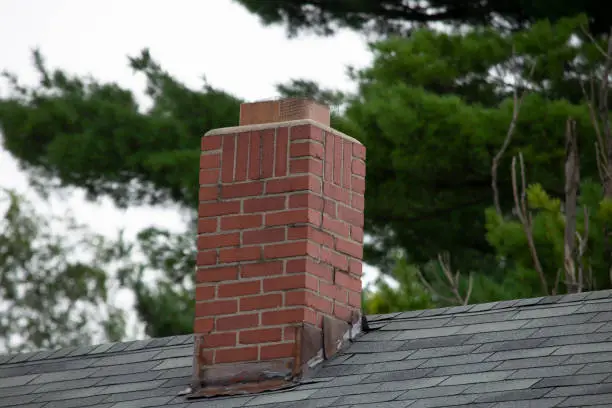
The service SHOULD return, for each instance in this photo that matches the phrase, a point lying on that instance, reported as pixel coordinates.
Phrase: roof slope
(544, 352)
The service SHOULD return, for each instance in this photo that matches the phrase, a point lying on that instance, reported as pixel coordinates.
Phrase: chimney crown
(280, 234)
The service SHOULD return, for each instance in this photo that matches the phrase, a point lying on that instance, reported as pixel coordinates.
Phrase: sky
(189, 38)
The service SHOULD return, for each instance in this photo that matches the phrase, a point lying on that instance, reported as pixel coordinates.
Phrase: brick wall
(280, 235)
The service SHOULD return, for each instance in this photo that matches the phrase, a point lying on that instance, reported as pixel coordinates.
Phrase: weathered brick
(211, 143)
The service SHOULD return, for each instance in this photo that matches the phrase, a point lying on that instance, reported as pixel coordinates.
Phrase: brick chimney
(280, 244)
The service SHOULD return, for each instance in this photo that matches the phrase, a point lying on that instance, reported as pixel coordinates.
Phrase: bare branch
(517, 103)
(520, 203)
(572, 182)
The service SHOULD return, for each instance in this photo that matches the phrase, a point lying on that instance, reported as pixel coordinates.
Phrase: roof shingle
(543, 352)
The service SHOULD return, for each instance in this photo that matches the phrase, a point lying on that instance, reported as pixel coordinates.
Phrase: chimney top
(283, 110)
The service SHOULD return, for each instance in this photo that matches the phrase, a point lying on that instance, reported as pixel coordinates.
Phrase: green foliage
(507, 236)
(407, 294)
(399, 16)
(50, 297)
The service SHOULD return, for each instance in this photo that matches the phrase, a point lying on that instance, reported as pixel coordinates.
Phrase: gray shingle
(545, 372)
(536, 403)
(538, 313)
(527, 353)
(371, 398)
(476, 377)
(572, 380)
(423, 333)
(378, 357)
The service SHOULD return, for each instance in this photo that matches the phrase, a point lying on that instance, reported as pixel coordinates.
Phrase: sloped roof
(543, 352)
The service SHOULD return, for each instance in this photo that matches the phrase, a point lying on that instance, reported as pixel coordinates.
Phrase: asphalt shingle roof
(537, 353)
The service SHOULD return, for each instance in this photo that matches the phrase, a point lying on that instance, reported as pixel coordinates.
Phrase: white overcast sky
(190, 38)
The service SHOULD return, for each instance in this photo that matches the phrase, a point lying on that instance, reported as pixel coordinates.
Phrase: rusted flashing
(312, 346)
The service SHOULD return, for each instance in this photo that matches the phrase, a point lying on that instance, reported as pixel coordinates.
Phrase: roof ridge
(96, 349)
(494, 306)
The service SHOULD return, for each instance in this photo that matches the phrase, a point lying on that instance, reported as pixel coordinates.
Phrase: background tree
(386, 17)
(53, 288)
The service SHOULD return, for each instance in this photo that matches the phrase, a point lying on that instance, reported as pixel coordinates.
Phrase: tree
(49, 296)
(432, 110)
(399, 16)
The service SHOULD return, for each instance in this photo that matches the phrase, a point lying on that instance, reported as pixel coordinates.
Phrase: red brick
(267, 168)
(215, 209)
(228, 290)
(234, 222)
(289, 333)
(321, 237)
(216, 307)
(354, 299)
(284, 283)
(210, 241)
(237, 322)
(269, 301)
(211, 143)
(204, 292)
(347, 148)
(357, 234)
(337, 160)
(334, 259)
(329, 157)
(359, 151)
(296, 183)
(282, 145)
(205, 258)
(286, 250)
(330, 208)
(306, 200)
(306, 132)
(256, 270)
(234, 355)
(306, 149)
(239, 254)
(357, 202)
(348, 281)
(337, 193)
(274, 351)
(358, 168)
(238, 190)
(210, 161)
(242, 156)
(355, 267)
(350, 215)
(297, 233)
(277, 317)
(299, 166)
(229, 151)
(254, 162)
(310, 299)
(214, 340)
(333, 291)
(209, 176)
(358, 184)
(308, 265)
(258, 336)
(203, 325)
(342, 312)
(350, 248)
(305, 215)
(217, 274)
(254, 205)
(208, 193)
(335, 226)
(207, 225)
(263, 236)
